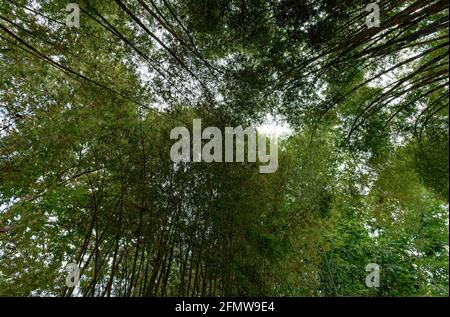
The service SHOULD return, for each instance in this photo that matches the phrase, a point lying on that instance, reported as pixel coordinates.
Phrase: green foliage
(86, 175)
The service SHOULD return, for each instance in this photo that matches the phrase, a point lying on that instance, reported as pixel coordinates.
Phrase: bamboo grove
(86, 176)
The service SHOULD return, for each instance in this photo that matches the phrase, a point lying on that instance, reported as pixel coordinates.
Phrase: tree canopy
(86, 176)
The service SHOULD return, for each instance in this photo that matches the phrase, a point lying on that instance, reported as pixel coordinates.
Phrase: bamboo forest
(346, 194)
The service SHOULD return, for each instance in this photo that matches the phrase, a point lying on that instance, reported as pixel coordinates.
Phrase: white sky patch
(275, 127)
